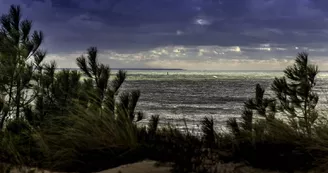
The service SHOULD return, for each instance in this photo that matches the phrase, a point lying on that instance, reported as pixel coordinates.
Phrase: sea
(183, 98)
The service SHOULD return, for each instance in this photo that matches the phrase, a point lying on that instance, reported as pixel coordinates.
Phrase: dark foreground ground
(149, 166)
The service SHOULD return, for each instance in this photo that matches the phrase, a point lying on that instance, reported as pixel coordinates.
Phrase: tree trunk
(18, 96)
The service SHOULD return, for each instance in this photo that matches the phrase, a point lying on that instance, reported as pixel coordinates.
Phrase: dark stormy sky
(190, 34)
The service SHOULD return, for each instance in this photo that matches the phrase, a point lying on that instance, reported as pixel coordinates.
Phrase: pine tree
(105, 89)
(19, 58)
(294, 98)
(295, 95)
(257, 108)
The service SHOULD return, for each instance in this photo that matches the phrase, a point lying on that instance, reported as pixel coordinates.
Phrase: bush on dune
(281, 127)
(283, 131)
(71, 116)
(97, 139)
(98, 126)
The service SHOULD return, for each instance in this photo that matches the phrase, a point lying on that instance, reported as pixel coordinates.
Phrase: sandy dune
(149, 167)
(140, 167)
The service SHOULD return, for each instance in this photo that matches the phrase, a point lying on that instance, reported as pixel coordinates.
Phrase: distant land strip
(127, 69)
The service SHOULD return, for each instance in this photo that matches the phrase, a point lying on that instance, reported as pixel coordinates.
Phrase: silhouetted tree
(106, 90)
(294, 98)
(257, 108)
(19, 58)
(295, 95)
(272, 127)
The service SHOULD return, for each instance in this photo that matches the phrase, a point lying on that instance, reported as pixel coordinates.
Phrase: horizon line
(172, 69)
(180, 69)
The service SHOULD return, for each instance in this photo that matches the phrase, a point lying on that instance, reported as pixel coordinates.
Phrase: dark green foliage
(80, 121)
(20, 144)
(247, 120)
(187, 152)
(233, 126)
(295, 94)
(261, 135)
(91, 122)
(153, 124)
(208, 132)
(105, 89)
(59, 104)
(19, 55)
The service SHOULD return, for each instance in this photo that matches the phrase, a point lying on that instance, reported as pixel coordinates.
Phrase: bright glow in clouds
(237, 49)
(197, 58)
(265, 48)
(202, 20)
(179, 32)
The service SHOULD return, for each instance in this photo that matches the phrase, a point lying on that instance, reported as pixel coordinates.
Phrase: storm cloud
(153, 33)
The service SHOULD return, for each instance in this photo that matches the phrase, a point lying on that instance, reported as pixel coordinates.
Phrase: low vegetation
(80, 121)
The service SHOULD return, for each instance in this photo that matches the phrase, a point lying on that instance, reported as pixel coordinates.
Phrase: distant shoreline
(135, 69)
(178, 69)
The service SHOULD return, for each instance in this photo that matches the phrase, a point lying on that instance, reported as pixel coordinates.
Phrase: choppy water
(194, 94)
